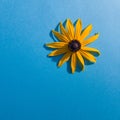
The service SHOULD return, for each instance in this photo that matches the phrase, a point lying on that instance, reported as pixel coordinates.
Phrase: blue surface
(32, 87)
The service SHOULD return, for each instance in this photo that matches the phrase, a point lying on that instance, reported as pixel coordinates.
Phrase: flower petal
(73, 62)
(60, 36)
(58, 52)
(63, 31)
(86, 32)
(70, 29)
(91, 50)
(78, 29)
(91, 39)
(64, 59)
(80, 58)
(88, 56)
(56, 44)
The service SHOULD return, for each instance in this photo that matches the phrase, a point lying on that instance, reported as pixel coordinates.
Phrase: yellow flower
(73, 44)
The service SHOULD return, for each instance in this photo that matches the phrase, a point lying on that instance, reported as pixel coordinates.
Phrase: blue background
(32, 87)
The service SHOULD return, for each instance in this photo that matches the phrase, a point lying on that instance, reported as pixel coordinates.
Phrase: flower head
(73, 44)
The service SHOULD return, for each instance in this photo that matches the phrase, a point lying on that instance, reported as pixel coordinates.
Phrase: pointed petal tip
(47, 45)
(94, 61)
(90, 25)
(48, 55)
(51, 54)
(73, 72)
(60, 23)
(53, 31)
(68, 19)
(58, 65)
(99, 52)
(97, 34)
(79, 19)
(83, 68)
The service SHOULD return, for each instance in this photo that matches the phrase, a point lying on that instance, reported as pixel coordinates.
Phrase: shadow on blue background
(32, 87)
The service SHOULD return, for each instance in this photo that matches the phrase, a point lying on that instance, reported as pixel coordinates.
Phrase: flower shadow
(78, 67)
(51, 34)
(53, 58)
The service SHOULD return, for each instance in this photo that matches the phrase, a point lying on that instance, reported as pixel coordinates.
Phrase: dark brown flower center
(74, 45)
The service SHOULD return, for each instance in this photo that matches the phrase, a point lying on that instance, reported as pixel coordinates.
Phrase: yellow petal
(86, 32)
(60, 36)
(73, 62)
(63, 31)
(91, 39)
(70, 29)
(91, 50)
(56, 44)
(58, 52)
(80, 58)
(64, 59)
(88, 56)
(78, 29)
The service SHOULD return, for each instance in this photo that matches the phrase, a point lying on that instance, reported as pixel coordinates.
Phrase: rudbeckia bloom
(73, 44)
